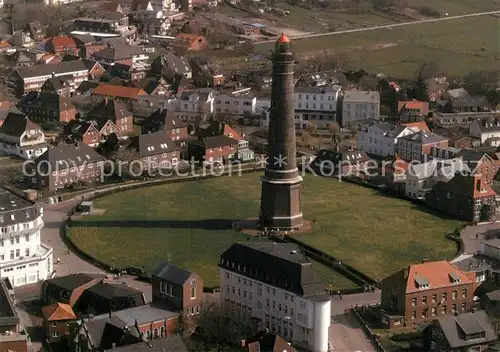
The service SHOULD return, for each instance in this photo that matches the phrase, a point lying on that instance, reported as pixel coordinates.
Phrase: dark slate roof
(85, 86)
(172, 273)
(352, 156)
(16, 124)
(8, 314)
(105, 331)
(455, 327)
(46, 100)
(57, 82)
(112, 290)
(144, 314)
(84, 38)
(68, 155)
(215, 141)
(109, 109)
(468, 101)
(118, 52)
(178, 64)
(471, 156)
(45, 70)
(489, 125)
(283, 265)
(425, 137)
(325, 77)
(73, 281)
(168, 119)
(15, 209)
(155, 143)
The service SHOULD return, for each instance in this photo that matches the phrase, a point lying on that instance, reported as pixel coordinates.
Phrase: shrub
(429, 11)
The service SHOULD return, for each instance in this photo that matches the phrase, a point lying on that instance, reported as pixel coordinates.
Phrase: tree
(334, 129)
(220, 327)
(419, 89)
(429, 69)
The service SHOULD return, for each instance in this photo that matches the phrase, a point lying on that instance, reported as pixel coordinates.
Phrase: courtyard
(189, 224)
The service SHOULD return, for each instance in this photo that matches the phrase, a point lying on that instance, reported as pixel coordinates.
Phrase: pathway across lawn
(190, 224)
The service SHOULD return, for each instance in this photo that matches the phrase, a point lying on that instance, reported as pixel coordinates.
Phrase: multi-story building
(58, 85)
(62, 45)
(479, 163)
(486, 130)
(317, 105)
(32, 78)
(358, 105)
(422, 177)
(193, 106)
(157, 151)
(56, 321)
(21, 137)
(65, 165)
(177, 289)
(423, 292)
(211, 150)
(413, 110)
(415, 145)
(167, 121)
(106, 26)
(45, 107)
(381, 138)
(466, 196)
(23, 258)
(472, 332)
(276, 284)
(127, 55)
(13, 336)
(239, 103)
(115, 111)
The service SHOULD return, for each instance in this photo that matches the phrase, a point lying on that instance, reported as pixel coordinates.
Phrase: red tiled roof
(436, 274)
(118, 91)
(422, 126)
(189, 38)
(283, 38)
(62, 40)
(58, 311)
(4, 44)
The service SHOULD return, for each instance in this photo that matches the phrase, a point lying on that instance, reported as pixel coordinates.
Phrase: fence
(369, 332)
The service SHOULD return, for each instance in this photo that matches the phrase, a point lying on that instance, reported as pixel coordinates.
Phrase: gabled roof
(118, 52)
(63, 67)
(62, 40)
(435, 274)
(215, 141)
(155, 143)
(420, 126)
(218, 128)
(324, 77)
(110, 290)
(172, 273)
(118, 91)
(477, 325)
(424, 137)
(68, 155)
(58, 311)
(79, 128)
(46, 100)
(266, 341)
(109, 109)
(16, 124)
(73, 281)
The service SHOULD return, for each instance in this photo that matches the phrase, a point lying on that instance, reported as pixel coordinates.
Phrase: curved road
(387, 26)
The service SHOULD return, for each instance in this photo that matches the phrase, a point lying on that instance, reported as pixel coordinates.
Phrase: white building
(381, 138)
(421, 177)
(239, 102)
(358, 105)
(191, 106)
(23, 258)
(276, 284)
(21, 137)
(316, 104)
(488, 131)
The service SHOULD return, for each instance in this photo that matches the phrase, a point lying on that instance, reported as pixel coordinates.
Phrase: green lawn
(457, 46)
(371, 232)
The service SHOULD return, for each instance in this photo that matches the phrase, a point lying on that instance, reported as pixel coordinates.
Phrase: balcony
(44, 253)
(23, 231)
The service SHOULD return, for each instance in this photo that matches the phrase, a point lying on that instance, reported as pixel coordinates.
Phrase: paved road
(386, 26)
(472, 236)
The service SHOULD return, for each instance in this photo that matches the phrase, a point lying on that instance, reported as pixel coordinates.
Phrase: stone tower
(280, 197)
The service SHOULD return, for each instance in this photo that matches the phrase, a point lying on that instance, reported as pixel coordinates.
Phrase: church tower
(280, 197)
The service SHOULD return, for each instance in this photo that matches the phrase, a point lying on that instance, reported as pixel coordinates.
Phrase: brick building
(56, 320)
(115, 111)
(168, 121)
(82, 131)
(62, 44)
(45, 107)
(216, 149)
(467, 197)
(414, 146)
(423, 292)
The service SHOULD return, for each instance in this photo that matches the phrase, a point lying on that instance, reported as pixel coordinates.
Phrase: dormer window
(454, 278)
(421, 282)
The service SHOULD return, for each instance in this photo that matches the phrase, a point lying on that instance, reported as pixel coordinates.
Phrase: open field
(189, 224)
(398, 52)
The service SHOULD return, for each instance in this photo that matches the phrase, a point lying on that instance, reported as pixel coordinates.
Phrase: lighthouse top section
(282, 44)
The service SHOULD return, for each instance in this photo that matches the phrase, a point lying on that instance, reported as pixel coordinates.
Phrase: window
(454, 295)
(414, 301)
(54, 324)
(18, 253)
(55, 334)
(444, 296)
(413, 315)
(27, 252)
(193, 292)
(464, 307)
(17, 240)
(27, 238)
(464, 293)
(433, 311)
(424, 300)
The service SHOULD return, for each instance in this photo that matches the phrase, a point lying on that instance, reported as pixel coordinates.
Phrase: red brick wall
(61, 328)
(17, 346)
(92, 48)
(217, 153)
(183, 134)
(426, 148)
(91, 137)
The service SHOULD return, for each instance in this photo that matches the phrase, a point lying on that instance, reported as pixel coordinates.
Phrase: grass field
(457, 46)
(371, 232)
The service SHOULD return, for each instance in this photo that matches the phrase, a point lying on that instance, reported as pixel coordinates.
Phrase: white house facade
(241, 105)
(488, 131)
(300, 315)
(381, 138)
(21, 137)
(23, 258)
(317, 105)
